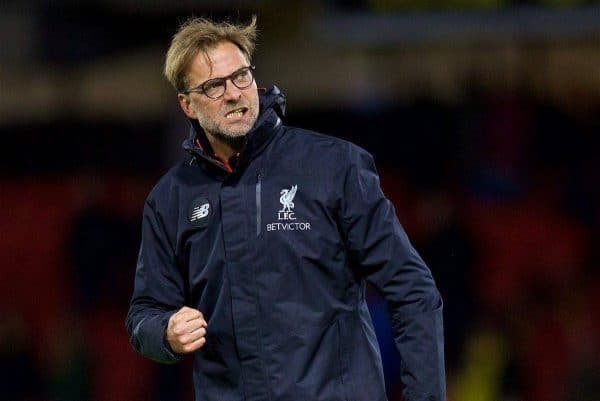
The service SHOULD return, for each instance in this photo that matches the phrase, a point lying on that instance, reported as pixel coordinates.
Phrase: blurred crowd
(499, 194)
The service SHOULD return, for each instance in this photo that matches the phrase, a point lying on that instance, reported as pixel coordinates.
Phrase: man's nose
(232, 92)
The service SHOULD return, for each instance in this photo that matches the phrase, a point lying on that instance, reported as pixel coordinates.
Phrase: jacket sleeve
(380, 249)
(158, 292)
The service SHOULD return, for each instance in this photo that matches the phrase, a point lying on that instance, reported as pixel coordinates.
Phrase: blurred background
(484, 120)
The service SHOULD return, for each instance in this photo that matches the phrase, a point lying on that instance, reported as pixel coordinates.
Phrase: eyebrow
(228, 75)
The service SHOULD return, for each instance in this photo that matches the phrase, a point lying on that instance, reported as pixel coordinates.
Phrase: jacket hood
(271, 110)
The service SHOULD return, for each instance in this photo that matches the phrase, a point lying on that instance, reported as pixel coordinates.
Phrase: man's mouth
(236, 113)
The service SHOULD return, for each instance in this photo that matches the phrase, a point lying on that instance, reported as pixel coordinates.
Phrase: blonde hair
(199, 34)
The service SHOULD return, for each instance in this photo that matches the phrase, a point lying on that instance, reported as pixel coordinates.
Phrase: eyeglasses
(215, 88)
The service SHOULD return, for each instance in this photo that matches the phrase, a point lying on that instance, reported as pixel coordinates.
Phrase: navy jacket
(276, 255)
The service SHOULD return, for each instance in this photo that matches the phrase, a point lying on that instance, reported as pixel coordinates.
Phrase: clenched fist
(186, 330)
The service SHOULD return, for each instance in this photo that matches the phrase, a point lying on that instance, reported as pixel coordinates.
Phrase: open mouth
(236, 113)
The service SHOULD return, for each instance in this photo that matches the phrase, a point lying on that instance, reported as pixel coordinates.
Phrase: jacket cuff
(156, 346)
(422, 353)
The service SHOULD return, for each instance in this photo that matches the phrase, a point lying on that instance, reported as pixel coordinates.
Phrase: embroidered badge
(286, 216)
(287, 203)
(200, 211)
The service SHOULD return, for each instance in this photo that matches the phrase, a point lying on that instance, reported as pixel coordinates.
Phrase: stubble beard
(234, 138)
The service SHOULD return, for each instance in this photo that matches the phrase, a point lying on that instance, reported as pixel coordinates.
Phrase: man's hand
(186, 330)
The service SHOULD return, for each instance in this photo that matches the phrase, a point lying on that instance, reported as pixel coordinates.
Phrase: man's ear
(184, 102)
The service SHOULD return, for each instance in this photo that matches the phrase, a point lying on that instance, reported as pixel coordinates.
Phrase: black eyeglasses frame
(223, 80)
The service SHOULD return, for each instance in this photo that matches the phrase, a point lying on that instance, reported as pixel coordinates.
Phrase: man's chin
(234, 140)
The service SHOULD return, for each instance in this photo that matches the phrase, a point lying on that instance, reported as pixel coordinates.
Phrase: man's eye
(211, 85)
(242, 76)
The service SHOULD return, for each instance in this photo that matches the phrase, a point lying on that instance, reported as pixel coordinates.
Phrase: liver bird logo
(287, 198)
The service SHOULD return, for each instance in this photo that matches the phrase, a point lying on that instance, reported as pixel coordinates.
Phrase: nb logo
(200, 212)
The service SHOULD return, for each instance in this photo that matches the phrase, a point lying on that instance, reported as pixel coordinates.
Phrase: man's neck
(222, 149)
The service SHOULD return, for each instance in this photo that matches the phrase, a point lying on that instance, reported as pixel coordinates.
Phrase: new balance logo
(200, 212)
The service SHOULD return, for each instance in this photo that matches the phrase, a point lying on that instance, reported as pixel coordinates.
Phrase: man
(256, 251)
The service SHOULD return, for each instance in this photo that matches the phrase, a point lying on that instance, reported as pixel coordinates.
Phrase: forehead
(218, 61)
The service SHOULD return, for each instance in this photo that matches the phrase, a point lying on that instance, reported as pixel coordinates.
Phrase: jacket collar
(272, 109)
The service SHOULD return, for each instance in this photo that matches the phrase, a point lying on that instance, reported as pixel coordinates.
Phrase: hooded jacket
(276, 255)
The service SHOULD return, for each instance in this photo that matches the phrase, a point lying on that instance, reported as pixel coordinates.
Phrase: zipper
(258, 205)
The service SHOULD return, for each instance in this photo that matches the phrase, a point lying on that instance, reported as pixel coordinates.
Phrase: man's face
(232, 115)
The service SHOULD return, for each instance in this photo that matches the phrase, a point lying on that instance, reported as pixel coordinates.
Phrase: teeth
(234, 114)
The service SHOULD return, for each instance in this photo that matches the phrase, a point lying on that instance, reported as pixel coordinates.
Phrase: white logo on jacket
(287, 215)
(200, 212)
(287, 203)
